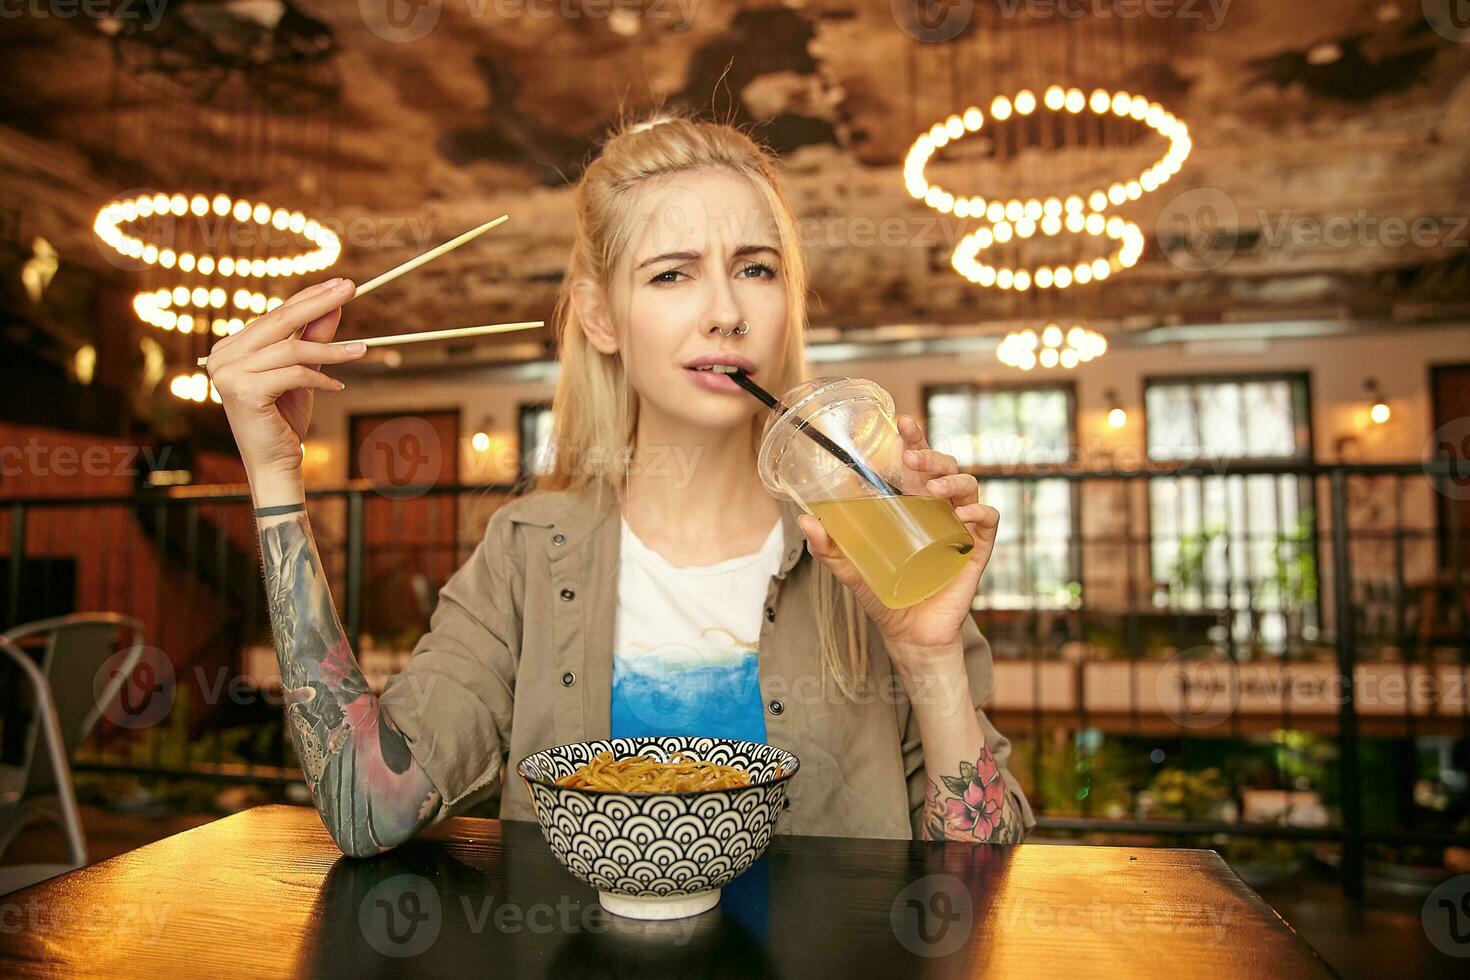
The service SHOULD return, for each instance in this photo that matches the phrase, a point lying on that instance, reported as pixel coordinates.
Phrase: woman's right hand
(267, 377)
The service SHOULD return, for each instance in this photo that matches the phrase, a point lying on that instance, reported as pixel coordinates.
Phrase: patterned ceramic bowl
(659, 855)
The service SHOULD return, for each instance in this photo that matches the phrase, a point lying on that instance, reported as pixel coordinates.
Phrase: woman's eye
(665, 276)
(762, 270)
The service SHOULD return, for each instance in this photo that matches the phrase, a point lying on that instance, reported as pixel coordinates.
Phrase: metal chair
(76, 647)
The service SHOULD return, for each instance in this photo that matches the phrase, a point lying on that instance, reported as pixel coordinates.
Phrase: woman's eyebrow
(687, 256)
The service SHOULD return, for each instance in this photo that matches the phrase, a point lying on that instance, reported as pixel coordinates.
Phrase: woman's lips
(712, 380)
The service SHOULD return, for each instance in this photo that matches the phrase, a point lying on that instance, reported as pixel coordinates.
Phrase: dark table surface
(266, 893)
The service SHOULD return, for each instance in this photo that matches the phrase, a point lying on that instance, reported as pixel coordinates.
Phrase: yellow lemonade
(906, 548)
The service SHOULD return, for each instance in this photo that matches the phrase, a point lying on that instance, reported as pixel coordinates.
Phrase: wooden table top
(266, 893)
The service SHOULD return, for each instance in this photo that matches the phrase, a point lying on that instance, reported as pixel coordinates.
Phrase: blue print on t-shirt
(675, 690)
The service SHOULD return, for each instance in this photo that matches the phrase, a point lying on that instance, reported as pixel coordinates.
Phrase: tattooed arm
(955, 759)
(371, 793)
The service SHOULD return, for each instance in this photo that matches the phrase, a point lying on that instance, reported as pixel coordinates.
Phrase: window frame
(1306, 458)
(526, 413)
(1068, 387)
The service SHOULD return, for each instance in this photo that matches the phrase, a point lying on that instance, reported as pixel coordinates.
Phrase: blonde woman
(650, 585)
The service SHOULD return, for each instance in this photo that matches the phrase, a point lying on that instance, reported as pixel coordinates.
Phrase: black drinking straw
(743, 380)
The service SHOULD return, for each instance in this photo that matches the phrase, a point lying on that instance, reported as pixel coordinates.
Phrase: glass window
(535, 433)
(1007, 430)
(1236, 542)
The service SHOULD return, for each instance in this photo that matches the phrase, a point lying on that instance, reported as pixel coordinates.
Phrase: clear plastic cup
(907, 546)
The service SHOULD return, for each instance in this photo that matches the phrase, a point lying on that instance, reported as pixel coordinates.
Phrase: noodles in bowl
(682, 773)
(658, 825)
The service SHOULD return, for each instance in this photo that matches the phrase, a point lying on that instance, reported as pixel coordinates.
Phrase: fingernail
(342, 285)
(339, 384)
(357, 347)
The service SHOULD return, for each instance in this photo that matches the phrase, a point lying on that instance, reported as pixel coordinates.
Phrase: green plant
(1293, 579)
(1177, 794)
(1083, 773)
(1188, 571)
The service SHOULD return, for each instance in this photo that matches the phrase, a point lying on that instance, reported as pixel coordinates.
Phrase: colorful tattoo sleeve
(371, 793)
(972, 805)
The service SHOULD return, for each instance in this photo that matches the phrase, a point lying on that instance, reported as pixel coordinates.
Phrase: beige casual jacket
(519, 657)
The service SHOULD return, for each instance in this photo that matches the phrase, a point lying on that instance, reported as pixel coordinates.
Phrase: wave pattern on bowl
(658, 844)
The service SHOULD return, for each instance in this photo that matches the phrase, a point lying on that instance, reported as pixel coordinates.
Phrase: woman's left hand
(932, 626)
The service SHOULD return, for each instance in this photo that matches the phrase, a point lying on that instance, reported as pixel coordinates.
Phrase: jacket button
(568, 679)
(558, 538)
(776, 706)
(568, 594)
(770, 614)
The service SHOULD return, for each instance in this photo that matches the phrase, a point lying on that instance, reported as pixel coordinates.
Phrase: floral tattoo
(973, 805)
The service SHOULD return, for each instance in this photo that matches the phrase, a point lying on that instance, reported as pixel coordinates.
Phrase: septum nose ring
(739, 331)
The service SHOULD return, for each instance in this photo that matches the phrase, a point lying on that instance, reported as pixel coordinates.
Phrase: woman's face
(704, 257)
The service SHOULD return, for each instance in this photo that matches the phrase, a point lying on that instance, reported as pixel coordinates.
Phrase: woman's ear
(590, 302)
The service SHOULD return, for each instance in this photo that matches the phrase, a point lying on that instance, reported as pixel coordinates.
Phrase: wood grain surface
(266, 893)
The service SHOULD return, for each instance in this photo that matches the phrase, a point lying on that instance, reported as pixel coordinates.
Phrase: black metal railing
(1289, 665)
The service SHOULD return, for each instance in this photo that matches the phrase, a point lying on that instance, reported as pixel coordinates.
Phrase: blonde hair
(595, 409)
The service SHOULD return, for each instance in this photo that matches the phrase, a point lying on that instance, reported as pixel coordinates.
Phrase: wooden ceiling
(1316, 128)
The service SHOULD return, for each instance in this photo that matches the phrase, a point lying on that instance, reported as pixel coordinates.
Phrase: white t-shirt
(687, 641)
